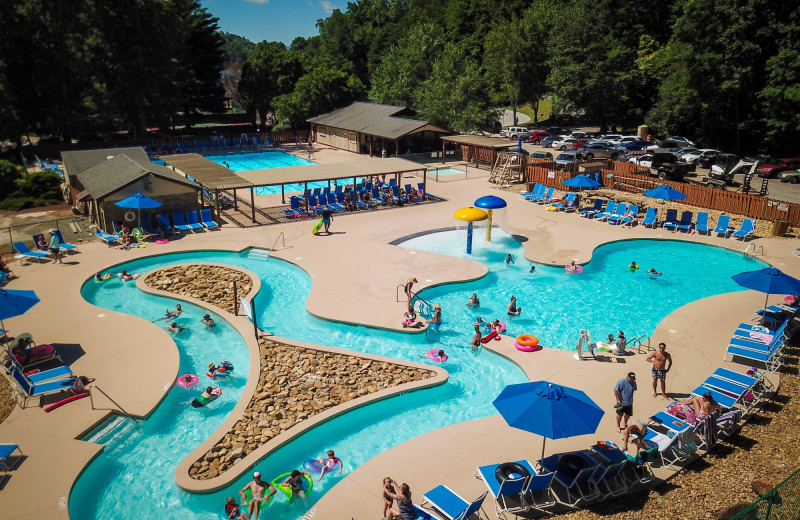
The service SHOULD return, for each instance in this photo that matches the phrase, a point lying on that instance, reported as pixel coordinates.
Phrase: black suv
(666, 166)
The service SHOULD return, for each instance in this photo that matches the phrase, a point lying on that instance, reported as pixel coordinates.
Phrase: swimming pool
(114, 485)
(444, 172)
(240, 162)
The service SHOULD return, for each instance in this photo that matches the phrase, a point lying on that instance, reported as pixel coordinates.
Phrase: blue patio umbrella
(549, 410)
(15, 303)
(138, 202)
(581, 181)
(664, 192)
(768, 280)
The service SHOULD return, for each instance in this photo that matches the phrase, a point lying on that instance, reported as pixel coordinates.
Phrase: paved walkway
(361, 270)
(507, 118)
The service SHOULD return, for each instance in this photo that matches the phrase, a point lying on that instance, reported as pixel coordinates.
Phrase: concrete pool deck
(355, 274)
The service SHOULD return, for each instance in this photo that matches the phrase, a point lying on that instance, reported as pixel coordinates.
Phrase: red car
(580, 144)
(776, 167)
(537, 136)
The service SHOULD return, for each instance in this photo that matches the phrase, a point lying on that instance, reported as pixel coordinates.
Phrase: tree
(321, 90)
(10, 174)
(237, 48)
(508, 70)
(270, 71)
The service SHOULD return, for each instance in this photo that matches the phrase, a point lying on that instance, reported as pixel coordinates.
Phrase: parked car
(645, 160)
(564, 143)
(547, 156)
(629, 139)
(781, 165)
(727, 165)
(566, 159)
(611, 137)
(639, 144)
(687, 142)
(558, 130)
(707, 160)
(537, 136)
(669, 143)
(692, 157)
(600, 150)
(666, 166)
(513, 132)
(547, 142)
(792, 176)
(578, 135)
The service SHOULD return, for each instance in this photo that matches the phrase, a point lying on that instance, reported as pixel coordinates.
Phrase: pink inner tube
(788, 299)
(526, 348)
(162, 241)
(183, 383)
(41, 350)
(578, 269)
(433, 355)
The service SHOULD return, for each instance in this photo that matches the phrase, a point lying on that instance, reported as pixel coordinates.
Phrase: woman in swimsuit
(513, 310)
(703, 406)
(295, 481)
(474, 302)
(405, 508)
(409, 284)
(640, 429)
(476, 339)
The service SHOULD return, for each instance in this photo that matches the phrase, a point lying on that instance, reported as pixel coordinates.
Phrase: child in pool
(207, 321)
(509, 259)
(175, 328)
(329, 464)
(533, 269)
(295, 482)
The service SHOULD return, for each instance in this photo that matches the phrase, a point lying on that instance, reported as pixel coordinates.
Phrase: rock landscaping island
(295, 383)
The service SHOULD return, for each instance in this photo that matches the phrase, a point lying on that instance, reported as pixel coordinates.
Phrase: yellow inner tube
(632, 267)
(527, 340)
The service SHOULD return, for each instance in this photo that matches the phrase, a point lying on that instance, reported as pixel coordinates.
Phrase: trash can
(779, 228)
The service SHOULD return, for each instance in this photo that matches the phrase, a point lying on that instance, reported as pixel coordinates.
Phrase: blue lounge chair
(6, 450)
(772, 359)
(543, 196)
(569, 203)
(377, 196)
(164, 225)
(723, 225)
(537, 189)
(597, 208)
(723, 399)
(508, 494)
(40, 243)
(758, 385)
(671, 220)
(578, 485)
(27, 389)
(26, 253)
(206, 220)
(746, 230)
(650, 218)
(422, 193)
(733, 390)
(180, 222)
(610, 207)
(64, 245)
(54, 373)
(316, 192)
(609, 478)
(630, 216)
(538, 494)
(618, 214)
(192, 222)
(701, 226)
(314, 204)
(450, 504)
(685, 223)
(106, 237)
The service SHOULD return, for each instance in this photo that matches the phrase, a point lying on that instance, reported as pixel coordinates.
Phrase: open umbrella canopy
(581, 181)
(16, 303)
(768, 280)
(549, 410)
(138, 201)
(664, 192)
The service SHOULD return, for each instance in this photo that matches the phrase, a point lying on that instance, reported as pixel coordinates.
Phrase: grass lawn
(527, 109)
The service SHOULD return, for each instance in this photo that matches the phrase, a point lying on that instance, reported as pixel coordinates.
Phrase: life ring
(314, 465)
(527, 340)
(192, 380)
(41, 350)
(130, 216)
(509, 471)
(162, 241)
(433, 355)
(277, 482)
(633, 267)
(578, 269)
(526, 348)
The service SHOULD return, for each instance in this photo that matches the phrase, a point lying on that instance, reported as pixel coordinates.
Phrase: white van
(513, 132)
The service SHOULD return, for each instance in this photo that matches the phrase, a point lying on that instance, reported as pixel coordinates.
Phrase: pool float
(248, 496)
(788, 299)
(204, 401)
(224, 370)
(315, 466)
(65, 401)
(242, 511)
(493, 335)
(40, 350)
(632, 267)
(162, 241)
(527, 343)
(683, 412)
(95, 280)
(193, 380)
(578, 269)
(433, 355)
(277, 482)
(316, 227)
(510, 471)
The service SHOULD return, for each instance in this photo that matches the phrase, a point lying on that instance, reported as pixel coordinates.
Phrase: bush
(10, 174)
(17, 203)
(40, 185)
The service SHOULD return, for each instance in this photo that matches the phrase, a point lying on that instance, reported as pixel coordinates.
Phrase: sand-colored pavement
(355, 273)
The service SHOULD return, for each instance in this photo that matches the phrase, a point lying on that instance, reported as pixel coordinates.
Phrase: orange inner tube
(527, 340)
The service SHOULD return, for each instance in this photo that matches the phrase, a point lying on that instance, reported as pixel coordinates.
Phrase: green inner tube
(248, 496)
(278, 483)
(95, 280)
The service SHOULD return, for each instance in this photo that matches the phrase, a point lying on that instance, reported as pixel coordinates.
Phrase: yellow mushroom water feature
(470, 216)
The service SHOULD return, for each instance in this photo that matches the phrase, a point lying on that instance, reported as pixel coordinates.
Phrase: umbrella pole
(763, 316)
(544, 440)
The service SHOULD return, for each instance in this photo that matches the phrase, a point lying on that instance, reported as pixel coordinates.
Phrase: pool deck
(355, 275)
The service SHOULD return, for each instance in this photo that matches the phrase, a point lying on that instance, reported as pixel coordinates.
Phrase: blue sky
(271, 20)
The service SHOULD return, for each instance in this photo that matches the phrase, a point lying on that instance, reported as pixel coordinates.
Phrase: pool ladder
(425, 307)
(755, 251)
(638, 343)
(280, 237)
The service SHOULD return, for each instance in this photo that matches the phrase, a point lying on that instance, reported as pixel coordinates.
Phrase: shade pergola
(217, 177)
(476, 142)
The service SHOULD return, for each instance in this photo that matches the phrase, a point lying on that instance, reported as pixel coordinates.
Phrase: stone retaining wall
(209, 283)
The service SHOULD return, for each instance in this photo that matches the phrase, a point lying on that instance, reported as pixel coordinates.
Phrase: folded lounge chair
(26, 253)
(450, 504)
(702, 222)
(747, 229)
(206, 220)
(723, 225)
(650, 217)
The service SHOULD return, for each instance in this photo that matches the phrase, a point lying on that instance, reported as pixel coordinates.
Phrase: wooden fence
(631, 178)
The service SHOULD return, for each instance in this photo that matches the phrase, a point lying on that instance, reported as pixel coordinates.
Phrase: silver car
(565, 159)
(601, 150)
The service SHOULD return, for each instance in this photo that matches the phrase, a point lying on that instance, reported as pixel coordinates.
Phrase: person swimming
(533, 269)
(103, 277)
(652, 271)
(474, 302)
(509, 259)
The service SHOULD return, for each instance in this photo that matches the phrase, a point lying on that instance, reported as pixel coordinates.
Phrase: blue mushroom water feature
(490, 203)
(470, 216)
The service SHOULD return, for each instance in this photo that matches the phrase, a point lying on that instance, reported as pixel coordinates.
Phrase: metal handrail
(281, 235)
(121, 409)
(422, 310)
(756, 249)
(640, 342)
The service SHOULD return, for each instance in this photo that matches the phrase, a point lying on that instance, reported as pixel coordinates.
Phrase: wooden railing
(631, 178)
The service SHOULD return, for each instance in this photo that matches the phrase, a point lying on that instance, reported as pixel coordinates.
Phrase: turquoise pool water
(137, 466)
(240, 162)
(446, 171)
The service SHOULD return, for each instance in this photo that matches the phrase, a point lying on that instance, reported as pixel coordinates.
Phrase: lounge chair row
(319, 199)
(204, 145)
(41, 252)
(30, 383)
(180, 222)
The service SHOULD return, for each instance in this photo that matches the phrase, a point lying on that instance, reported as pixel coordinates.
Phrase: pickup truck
(665, 165)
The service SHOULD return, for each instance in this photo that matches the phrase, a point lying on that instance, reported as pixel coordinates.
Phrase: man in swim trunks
(257, 487)
(623, 392)
(329, 464)
(327, 217)
(638, 427)
(513, 310)
(662, 362)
